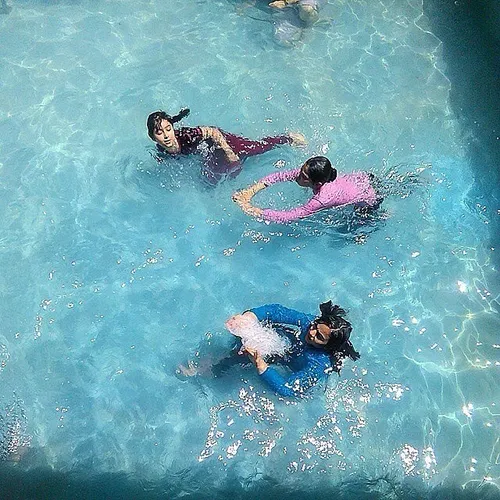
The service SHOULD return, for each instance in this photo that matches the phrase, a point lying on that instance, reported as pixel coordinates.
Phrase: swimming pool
(116, 269)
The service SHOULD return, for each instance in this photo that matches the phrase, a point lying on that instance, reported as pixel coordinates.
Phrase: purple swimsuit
(216, 166)
(348, 189)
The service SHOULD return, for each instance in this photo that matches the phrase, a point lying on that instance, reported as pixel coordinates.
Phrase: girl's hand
(243, 196)
(298, 139)
(248, 208)
(255, 358)
(231, 155)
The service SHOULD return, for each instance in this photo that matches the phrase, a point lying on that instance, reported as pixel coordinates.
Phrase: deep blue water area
(471, 41)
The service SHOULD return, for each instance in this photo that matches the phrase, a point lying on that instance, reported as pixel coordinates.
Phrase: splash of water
(264, 339)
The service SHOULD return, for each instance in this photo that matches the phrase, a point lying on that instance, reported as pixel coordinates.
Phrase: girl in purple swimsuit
(222, 153)
(329, 190)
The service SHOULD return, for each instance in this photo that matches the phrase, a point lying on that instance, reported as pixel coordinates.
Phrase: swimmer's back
(354, 188)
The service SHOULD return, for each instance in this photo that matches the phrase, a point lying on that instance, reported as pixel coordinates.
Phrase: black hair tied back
(328, 309)
(180, 115)
(339, 346)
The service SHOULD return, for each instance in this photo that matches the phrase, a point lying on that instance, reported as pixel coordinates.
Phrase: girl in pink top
(329, 190)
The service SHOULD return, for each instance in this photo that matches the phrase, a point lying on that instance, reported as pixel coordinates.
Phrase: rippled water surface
(116, 269)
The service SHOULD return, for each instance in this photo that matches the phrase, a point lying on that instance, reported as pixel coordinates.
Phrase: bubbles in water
(4, 356)
(14, 438)
(399, 181)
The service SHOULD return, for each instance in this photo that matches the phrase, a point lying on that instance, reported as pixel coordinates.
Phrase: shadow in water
(45, 483)
(471, 48)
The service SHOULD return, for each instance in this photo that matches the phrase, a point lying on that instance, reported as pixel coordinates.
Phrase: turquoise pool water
(116, 269)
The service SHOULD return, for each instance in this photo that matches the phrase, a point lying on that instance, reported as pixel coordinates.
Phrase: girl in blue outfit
(322, 344)
(319, 345)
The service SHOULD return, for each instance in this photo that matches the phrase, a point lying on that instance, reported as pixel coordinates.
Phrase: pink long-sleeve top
(354, 188)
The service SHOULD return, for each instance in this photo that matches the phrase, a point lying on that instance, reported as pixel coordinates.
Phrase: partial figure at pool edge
(222, 153)
(292, 17)
(318, 349)
(329, 190)
(307, 10)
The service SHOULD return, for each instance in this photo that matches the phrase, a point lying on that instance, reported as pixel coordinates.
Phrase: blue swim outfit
(308, 364)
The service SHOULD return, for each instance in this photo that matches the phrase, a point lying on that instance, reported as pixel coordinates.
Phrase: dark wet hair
(339, 346)
(154, 120)
(320, 170)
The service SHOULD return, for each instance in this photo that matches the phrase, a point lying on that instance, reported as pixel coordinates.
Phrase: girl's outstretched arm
(312, 206)
(244, 196)
(276, 313)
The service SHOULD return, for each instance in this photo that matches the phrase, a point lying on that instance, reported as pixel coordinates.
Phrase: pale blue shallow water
(115, 269)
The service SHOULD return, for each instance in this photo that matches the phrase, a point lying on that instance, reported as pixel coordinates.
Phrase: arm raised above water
(281, 176)
(216, 135)
(276, 313)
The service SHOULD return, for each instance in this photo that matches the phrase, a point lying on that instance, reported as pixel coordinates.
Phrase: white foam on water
(264, 339)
